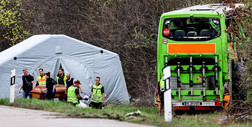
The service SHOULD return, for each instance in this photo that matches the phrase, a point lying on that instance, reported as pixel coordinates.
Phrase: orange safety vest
(41, 81)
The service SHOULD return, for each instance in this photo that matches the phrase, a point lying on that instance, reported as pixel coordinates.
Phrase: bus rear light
(202, 108)
(181, 108)
(217, 103)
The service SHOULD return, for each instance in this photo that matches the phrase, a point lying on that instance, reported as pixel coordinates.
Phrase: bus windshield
(191, 28)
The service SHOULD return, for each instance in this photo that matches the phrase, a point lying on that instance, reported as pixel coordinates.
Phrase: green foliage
(11, 22)
(103, 2)
(240, 31)
(247, 26)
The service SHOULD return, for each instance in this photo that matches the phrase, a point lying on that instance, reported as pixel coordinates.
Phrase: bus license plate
(195, 103)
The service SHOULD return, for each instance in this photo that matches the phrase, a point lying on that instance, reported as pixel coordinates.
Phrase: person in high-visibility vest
(161, 90)
(61, 77)
(41, 79)
(161, 95)
(73, 94)
(98, 96)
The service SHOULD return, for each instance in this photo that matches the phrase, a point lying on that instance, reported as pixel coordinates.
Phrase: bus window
(191, 29)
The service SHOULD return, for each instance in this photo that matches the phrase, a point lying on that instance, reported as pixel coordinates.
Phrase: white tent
(82, 60)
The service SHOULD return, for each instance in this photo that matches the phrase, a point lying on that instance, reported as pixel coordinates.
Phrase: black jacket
(49, 85)
(28, 78)
(69, 82)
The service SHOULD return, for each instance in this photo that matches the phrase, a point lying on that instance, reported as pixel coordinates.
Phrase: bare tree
(127, 27)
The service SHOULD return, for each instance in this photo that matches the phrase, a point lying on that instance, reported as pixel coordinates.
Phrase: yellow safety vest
(41, 81)
(71, 95)
(97, 94)
(57, 78)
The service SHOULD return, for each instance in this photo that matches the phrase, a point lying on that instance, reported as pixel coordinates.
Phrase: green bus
(193, 42)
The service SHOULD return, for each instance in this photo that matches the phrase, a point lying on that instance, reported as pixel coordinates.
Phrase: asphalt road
(19, 117)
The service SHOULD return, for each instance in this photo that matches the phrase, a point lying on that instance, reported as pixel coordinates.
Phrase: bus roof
(207, 8)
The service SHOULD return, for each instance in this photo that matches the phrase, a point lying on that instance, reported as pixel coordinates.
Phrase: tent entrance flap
(79, 71)
(76, 69)
(51, 65)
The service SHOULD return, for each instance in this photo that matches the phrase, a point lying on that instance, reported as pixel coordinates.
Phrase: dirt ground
(19, 117)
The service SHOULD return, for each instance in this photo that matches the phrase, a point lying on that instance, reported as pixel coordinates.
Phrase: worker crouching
(73, 94)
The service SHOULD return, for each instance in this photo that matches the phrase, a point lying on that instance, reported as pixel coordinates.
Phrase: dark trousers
(26, 94)
(50, 96)
(74, 104)
(161, 97)
(96, 105)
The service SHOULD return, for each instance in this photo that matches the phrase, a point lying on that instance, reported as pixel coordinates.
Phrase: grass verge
(149, 115)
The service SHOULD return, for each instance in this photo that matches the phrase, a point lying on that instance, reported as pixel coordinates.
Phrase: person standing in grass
(27, 84)
(41, 79)
(69, 80)
(161, 90)
(49, 85)
(61, 77)
(98, 96)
